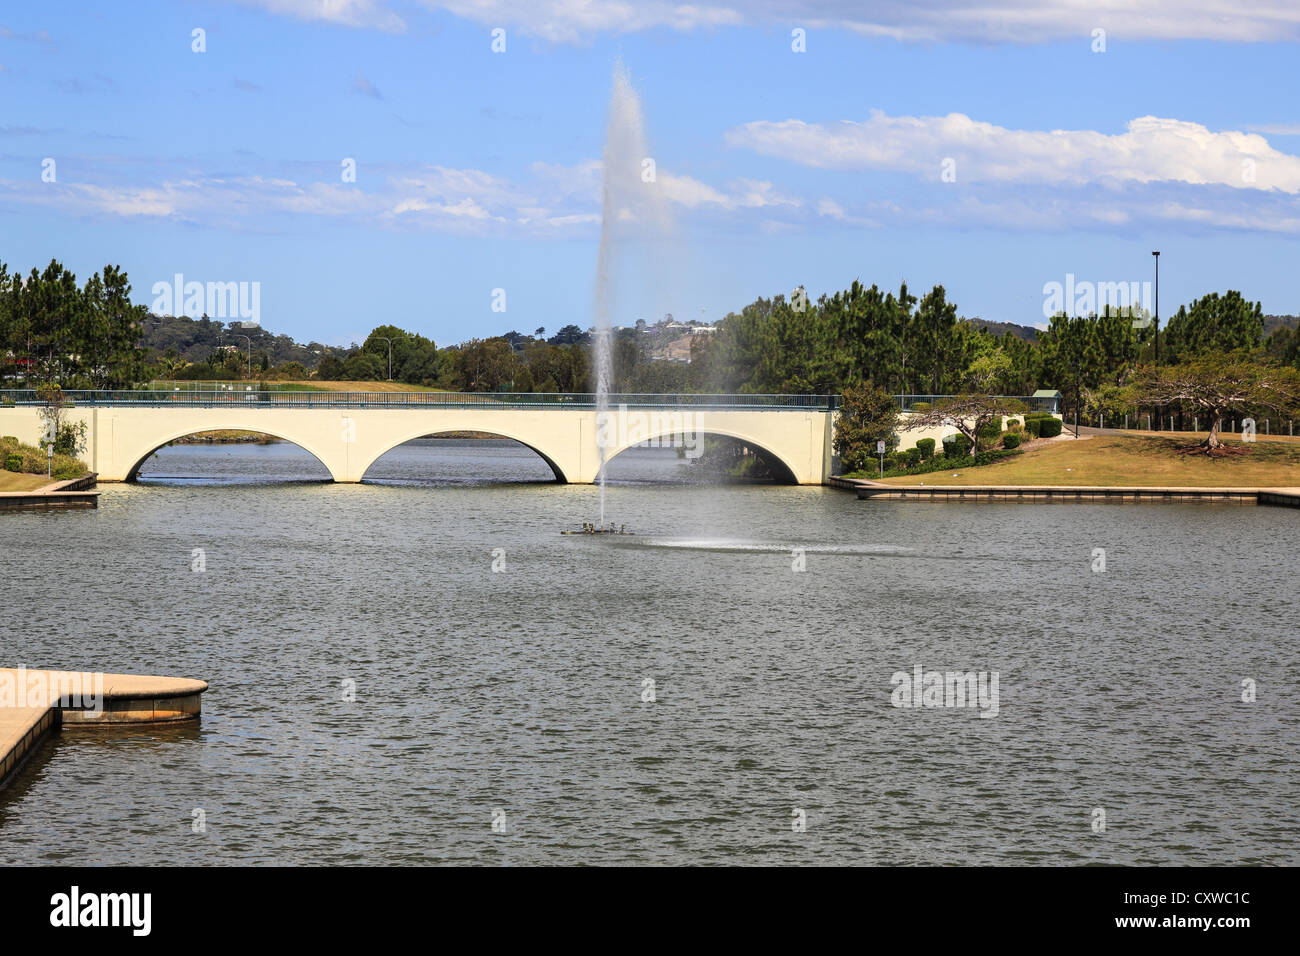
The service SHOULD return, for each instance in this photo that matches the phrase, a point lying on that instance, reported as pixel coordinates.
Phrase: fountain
(630, 198)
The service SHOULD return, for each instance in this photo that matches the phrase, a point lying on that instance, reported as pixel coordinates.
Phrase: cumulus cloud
(1150, 150)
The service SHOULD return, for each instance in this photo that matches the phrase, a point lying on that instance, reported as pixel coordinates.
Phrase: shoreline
(1030, 494)
(68, 494)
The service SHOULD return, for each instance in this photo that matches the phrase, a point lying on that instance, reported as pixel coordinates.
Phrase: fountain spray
(630, 199)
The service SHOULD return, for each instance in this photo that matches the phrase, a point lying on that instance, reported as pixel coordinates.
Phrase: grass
(20, 481)
(297, 386)
(1129, 461)
(319, 386)
(226, 436)
(34, 462)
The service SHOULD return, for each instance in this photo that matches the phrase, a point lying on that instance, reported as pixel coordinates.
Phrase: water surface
(520, 691)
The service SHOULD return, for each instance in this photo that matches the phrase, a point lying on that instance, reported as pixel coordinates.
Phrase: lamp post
(390, 354)
(1156, 254)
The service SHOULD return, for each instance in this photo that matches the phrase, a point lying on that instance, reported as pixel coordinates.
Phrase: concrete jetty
(864, 488)
(73, 493)
(35, 703)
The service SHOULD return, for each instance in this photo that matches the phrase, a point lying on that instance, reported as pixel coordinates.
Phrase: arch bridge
(349, 431)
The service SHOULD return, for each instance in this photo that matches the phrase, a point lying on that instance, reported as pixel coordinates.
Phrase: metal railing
(504, 400)
(1035, 403)
(326, 399)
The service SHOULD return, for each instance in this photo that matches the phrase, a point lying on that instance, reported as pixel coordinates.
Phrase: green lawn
(1130, 461)
(21, 481)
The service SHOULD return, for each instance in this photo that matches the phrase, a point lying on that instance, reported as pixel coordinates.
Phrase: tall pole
(390, 355)
(1156, 253)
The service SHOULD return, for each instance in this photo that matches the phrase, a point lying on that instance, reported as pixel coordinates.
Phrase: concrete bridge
(349, 431)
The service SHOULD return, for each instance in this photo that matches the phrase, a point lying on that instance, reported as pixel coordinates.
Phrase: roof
(1047, 393)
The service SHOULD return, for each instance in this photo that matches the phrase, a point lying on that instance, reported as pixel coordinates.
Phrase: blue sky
(479, 170)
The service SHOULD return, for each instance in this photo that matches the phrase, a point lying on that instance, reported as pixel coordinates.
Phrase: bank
(71, 494)
(1107, 467)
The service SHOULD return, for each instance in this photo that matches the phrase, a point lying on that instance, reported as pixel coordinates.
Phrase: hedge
(1010, 440)
(926, 447)
(956, 446)
(939, 464)
(1049, 427)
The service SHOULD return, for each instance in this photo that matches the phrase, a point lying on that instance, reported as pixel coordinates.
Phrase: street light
(390, 354)
(1156, 253)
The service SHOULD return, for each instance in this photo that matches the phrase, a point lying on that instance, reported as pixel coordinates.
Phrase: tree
(569, 335)
(989, 372)
(967, 413)
(1215, 323)
(867, 415)
(1073, 359)
(1218, 384)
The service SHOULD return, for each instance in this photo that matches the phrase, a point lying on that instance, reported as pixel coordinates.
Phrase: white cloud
(556, 200)
(1151, 150)
(1277, 129)
(573, 21)
(978, 21)
(369, 14)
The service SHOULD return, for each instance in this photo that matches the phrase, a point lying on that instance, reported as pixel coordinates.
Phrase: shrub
(926, 447)
(1010, 440)
(1034, 427)
(956, 446)
(920, 406)
(867, 415)
(13, 462)
(1012, 424)
(992, 430)
(913, 456)
(1049, 427)
(939, 464)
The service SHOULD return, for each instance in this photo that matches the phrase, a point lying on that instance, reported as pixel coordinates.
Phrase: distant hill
(195, 339)
(1273, 322)
(998, 329)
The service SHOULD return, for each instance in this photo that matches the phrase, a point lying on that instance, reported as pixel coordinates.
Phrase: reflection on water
(522, 689)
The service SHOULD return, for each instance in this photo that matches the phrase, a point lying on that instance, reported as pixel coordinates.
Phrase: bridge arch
(786, 474)
(389, 444)
(155, 443)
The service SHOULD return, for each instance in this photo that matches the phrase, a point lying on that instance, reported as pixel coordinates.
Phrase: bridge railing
(1035, 403)
(326, 399)
(504, 400)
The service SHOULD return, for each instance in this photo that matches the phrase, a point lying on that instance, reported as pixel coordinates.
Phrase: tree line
(92, 336)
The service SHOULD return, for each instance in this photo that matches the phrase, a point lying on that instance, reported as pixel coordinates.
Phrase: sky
(990, 146)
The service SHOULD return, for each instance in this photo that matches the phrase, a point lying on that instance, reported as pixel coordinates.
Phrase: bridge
(349, 431)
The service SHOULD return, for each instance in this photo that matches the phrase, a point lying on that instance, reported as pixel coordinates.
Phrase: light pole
(390, 354)
(1156, 253)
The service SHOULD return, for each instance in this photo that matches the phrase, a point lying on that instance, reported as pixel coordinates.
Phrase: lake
(381, 695)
